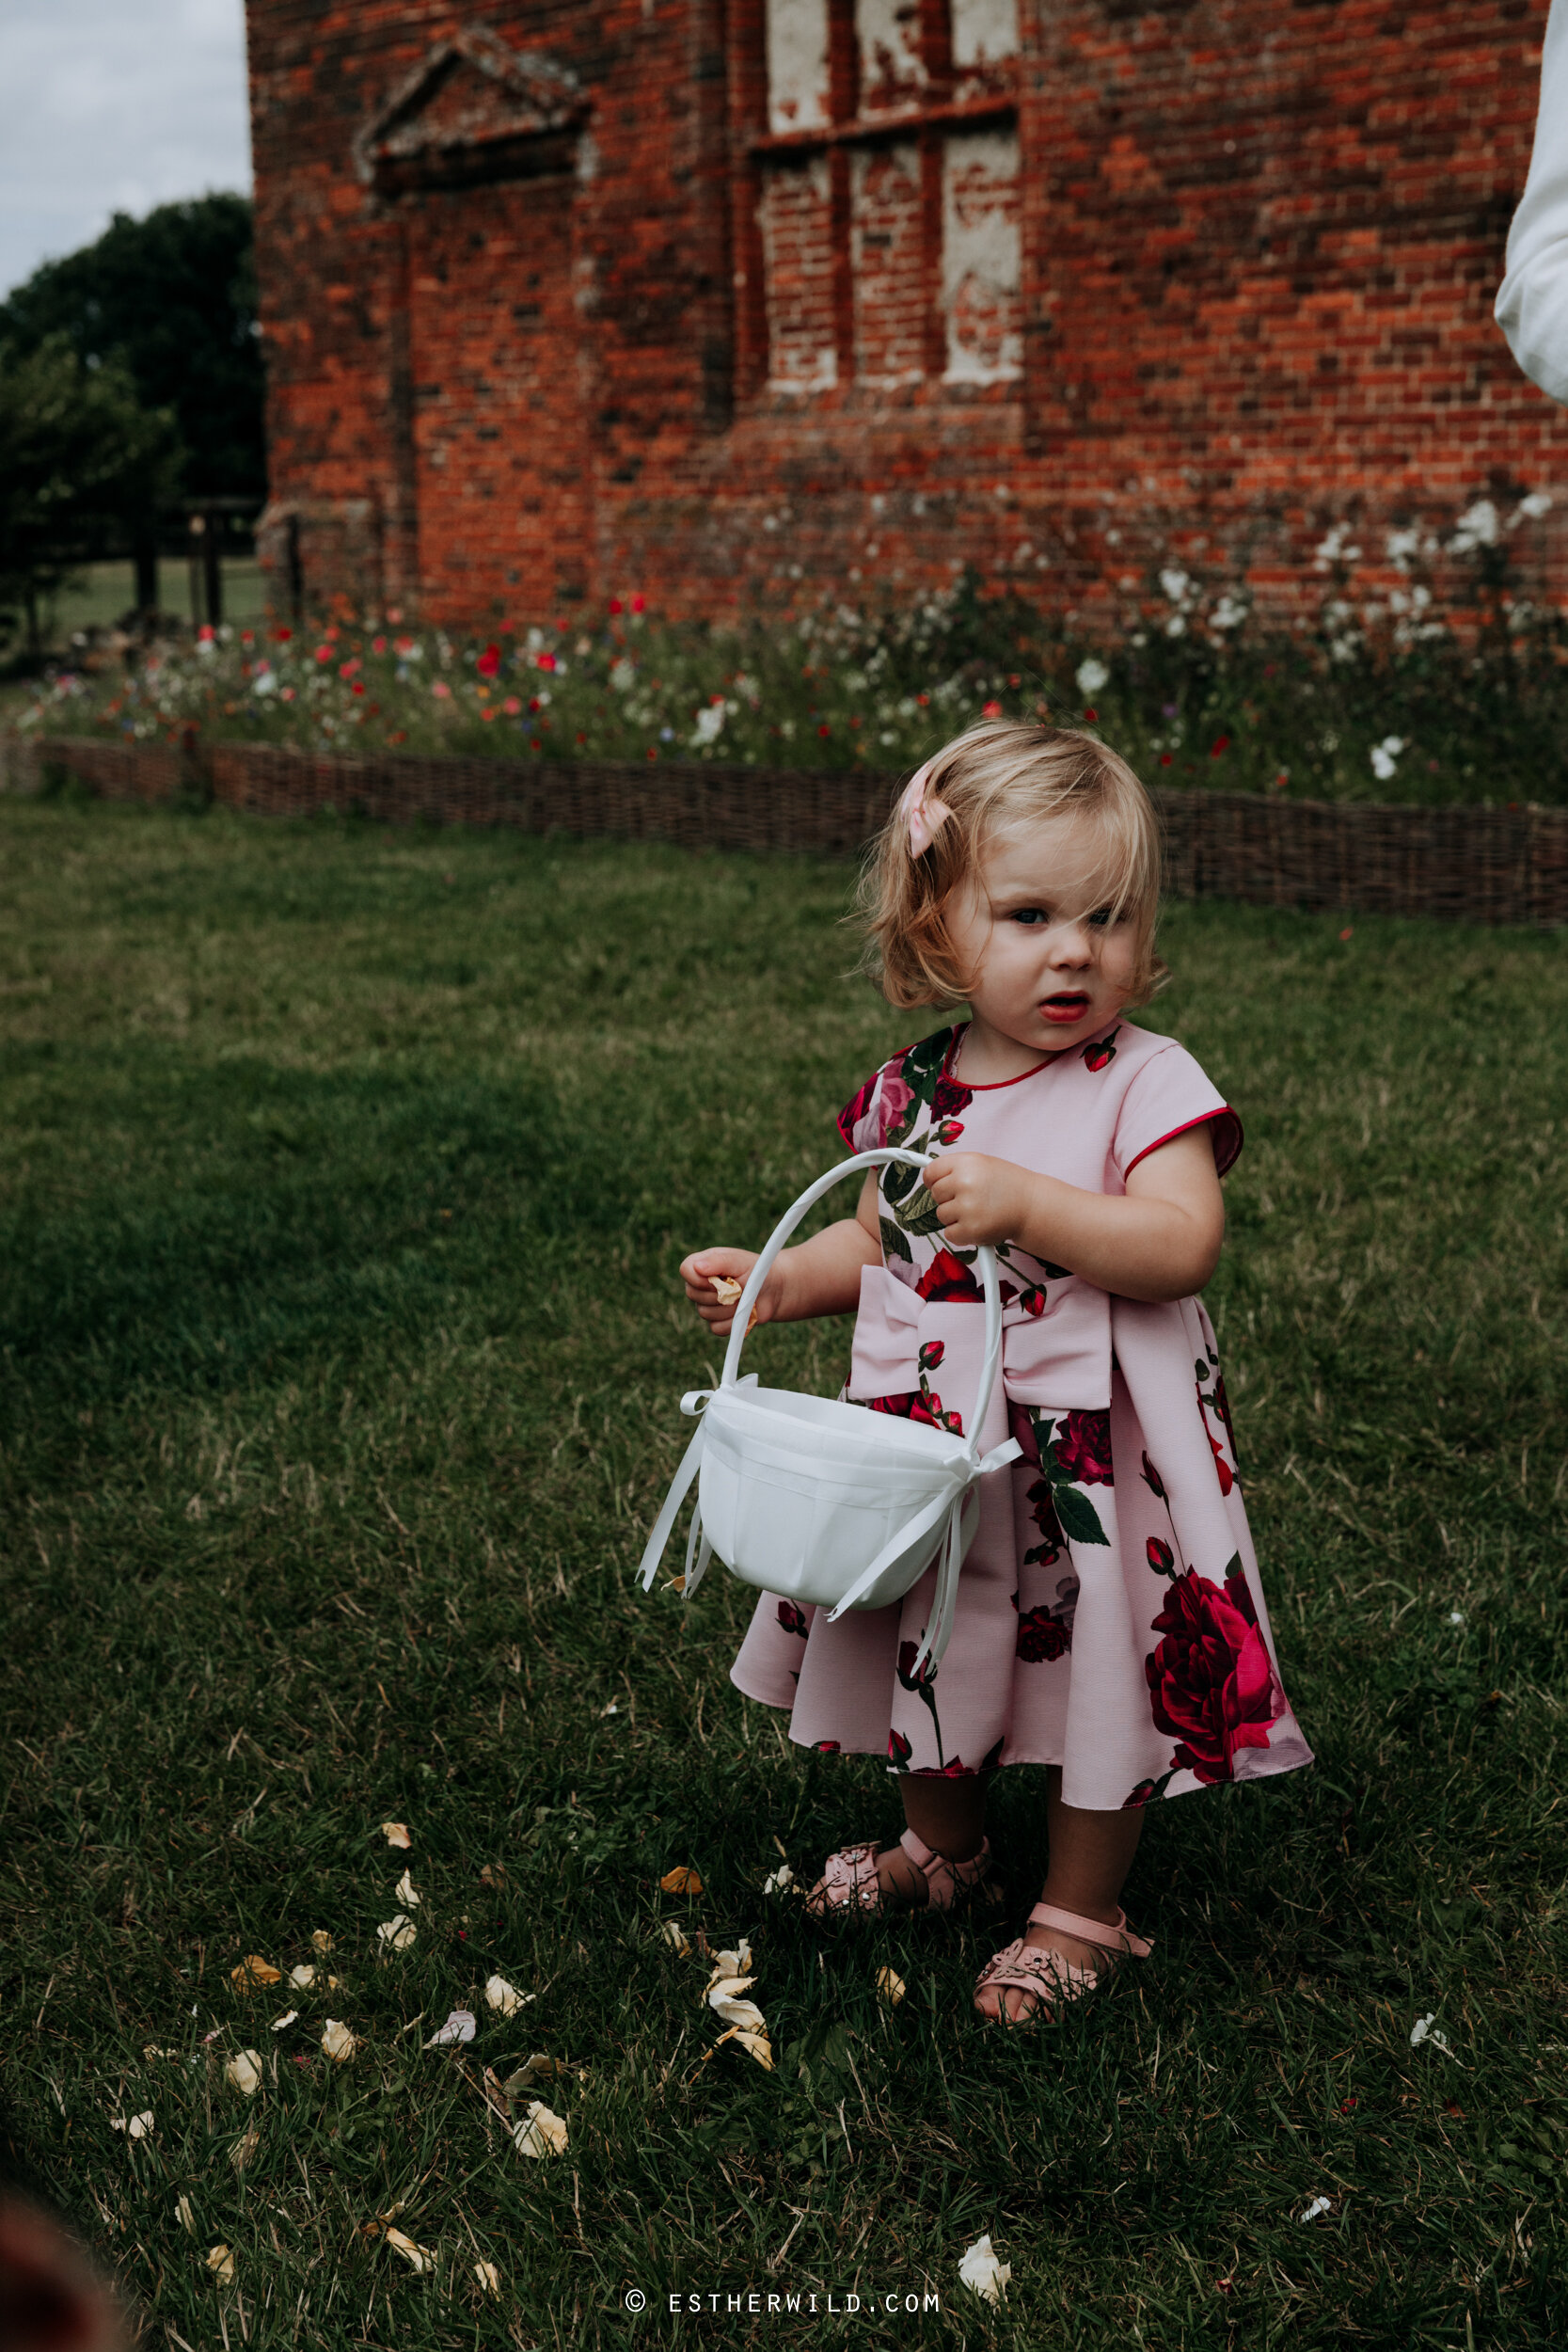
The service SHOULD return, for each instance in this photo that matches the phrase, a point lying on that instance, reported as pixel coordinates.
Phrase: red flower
(992, 710)
(1082, 1448)
(1212, 1682)
(931, 1354)
(954, 1769)
(545, 660)
(281, 636)
(909, 1404)
(1092, 717)
(1222, 743)
(1042, 1510)
(1226, 1476)
(950, 1098)
(1161, 1557)
(1041, 1637)
(1100, 1050)
(906, 1676)
(899, 1749)
(638, 604)
(615, 605)
(793, 1619)
(854, 1111)
(826, 1747)
(1140, 1796)
(489, 662)
(948, 1277)
(1031, 1300)
(950, 1130)
(1152, 1480)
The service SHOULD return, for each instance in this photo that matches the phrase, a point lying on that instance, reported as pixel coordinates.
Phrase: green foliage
(1436, 682)
(79, 457)
(173, 296)
(342, 1179)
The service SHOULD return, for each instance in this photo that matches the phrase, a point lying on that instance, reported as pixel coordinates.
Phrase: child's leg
(1090, 1856)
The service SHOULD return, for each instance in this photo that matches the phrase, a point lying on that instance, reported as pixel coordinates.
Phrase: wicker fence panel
(1469, 865)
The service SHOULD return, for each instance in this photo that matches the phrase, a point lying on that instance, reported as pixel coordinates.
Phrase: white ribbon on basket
(952, 1516)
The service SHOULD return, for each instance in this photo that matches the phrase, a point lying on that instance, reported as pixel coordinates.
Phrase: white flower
(1399, 546)
(1386, 756)
(1456, 1617)
(1478, 527)
(1537, 503)
(1092, 676)
(622, 675)
(1174, 585)
(1176, 626)
(710, 723)
(1227, 613)
(981, 2270)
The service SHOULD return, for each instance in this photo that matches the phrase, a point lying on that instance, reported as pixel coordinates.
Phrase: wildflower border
(1458, 863)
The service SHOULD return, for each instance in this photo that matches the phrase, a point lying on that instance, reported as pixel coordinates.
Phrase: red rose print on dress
(1160, 1557)
(1101, 1051)
(1212, 1682)
(1042, 1510)
(950, 1130)
(793, 1618)
(954, 1769)
(1226, 1476)
(899, 1749)
(1031, 1300)
(949, 1277)
(1152, 1480)
(1041, 1637)
(1082, 1448)
(950, 1098)
(827, 1747)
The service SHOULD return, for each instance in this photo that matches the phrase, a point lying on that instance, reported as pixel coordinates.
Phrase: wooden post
(195, 531)
(213, 549)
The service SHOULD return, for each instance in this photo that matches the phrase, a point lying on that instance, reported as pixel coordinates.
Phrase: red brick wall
(1260, 247)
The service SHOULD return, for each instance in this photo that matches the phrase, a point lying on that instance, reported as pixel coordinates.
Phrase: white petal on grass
(754, 2044)
(337, 2040)
(776, 1881)
(981, 2270)
(405, 1892)
(220, 2262)
(184, 2212)
(416, 2257)
(735, 1964)
(396, 1833)
(541, 2132)
(133, 2126)
(675, 1933)
(302, 1977)
(489, 2277)
(1427, 2029)
(505, 1998)
(891, 1985)
(735, 2011)
(244, 2071)
(397, 1933)
(1318, 2204)
(288, 2018)
(461, 2026)
(613, 1709)
(321, 1940)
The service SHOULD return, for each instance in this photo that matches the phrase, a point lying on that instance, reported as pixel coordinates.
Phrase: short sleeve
(861, 1121)
(1167, 1097)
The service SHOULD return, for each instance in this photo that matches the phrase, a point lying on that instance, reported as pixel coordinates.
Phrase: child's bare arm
(1159, 1240)
(820, 1276)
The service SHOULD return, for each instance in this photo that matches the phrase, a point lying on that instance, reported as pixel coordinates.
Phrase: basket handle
(985, 1263)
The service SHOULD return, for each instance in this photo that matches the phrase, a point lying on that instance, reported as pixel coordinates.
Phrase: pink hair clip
(923, 814)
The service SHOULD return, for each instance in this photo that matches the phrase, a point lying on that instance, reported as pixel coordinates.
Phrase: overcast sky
(113, 106)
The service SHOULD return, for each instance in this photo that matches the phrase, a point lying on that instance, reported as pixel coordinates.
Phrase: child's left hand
(978, 1199)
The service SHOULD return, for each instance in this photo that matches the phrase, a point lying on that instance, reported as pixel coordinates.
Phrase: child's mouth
(1064, 1007)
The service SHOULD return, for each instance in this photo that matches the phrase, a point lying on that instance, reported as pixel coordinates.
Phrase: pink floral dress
(1110, 1617)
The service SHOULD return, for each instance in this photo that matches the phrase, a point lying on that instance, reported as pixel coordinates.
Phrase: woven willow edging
(1465, 865)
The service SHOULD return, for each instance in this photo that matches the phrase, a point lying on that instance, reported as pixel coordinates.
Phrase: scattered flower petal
(537, 2069)
(303, 1976)
(243, 2150)
(396, 1833)
(755, 2044)
(1426, 2029)
(321, 1941)
(404, 1892)
(287, 2019)
(981, 2270)
(540, 2133)
(220, 2262)
(776, 1881)
(489, 2277)
(134, 2127)
(416, 2257)
(397, 1933)
(254, 1971)
(682, 1880)
(734, 2010)
(500, 1995)
(613, 1709)
(735, 1964)
(891, 1984)
(675, 1933)
(337, 2042)
(1318, 2204)
(461, 2026)
(245, 2071)
(184, 2212)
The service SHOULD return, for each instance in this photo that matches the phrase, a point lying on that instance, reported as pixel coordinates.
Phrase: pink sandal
(1049, 1976)
(849, 1879)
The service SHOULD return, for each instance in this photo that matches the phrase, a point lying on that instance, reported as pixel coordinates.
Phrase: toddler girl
(1110, 1622)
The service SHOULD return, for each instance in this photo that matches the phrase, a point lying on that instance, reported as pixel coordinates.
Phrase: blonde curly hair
(994, 778)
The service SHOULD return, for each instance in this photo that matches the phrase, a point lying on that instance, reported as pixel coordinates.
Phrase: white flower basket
(820, 1500)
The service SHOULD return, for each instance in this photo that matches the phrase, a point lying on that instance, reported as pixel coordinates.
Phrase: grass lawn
(343, 1176)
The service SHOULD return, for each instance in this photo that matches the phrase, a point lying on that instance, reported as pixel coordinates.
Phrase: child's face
(1050, 967)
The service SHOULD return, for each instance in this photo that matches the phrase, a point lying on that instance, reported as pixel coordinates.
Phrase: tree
(80, 460)
(173, 296)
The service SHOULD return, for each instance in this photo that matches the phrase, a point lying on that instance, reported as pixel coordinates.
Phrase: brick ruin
(741, 301)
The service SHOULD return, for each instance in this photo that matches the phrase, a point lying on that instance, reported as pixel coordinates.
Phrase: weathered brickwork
(728, 300)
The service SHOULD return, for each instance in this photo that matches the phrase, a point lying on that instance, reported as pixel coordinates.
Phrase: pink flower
(378, 644)
(324, 653)
(992, 710)
(441, 690)
(512, 705)
(205, 634)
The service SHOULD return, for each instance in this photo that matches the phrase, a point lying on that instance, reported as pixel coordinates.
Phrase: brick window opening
(877, 216)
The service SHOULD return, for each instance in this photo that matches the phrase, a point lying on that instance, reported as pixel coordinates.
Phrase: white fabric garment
(1532, 300)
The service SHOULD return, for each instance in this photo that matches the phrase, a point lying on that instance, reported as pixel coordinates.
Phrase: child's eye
(1030, 914)
(1099, 919)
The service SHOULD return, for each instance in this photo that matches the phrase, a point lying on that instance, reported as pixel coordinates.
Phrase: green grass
(342, 1178)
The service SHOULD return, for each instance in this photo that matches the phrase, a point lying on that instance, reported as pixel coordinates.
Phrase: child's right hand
(697, 1273)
